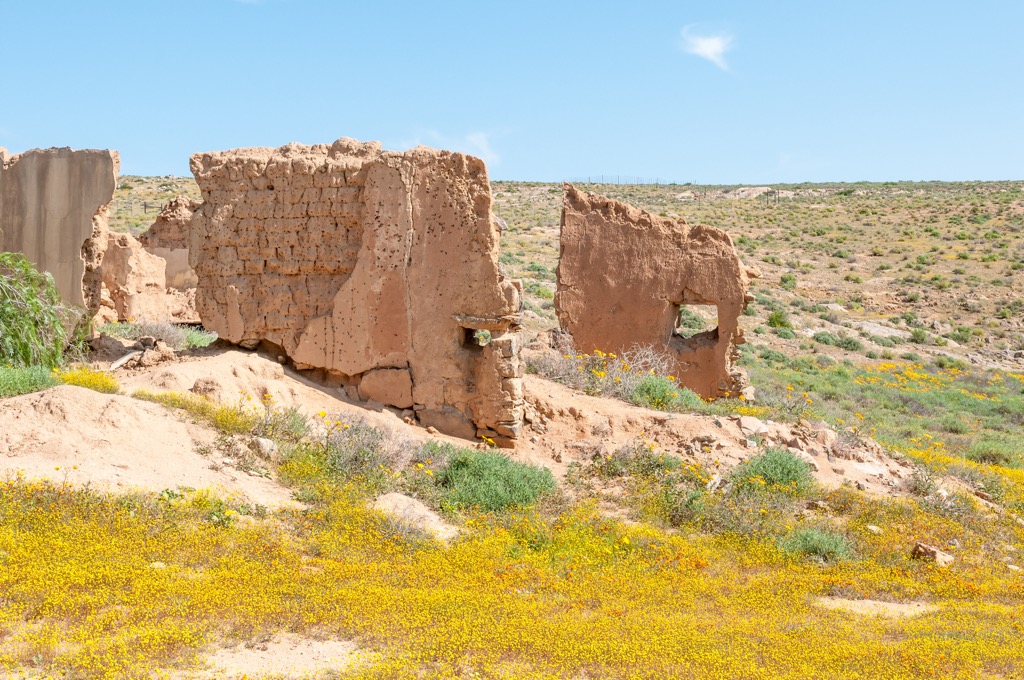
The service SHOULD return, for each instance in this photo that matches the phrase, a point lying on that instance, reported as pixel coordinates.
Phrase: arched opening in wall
(695, 325)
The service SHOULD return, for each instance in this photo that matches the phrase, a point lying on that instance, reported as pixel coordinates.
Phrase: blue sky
(707, 92)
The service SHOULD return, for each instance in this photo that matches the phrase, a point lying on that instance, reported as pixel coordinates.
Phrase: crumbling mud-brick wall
(53, 208)
(379, 267)
(168, 238)
(623, 275)
(135, 287)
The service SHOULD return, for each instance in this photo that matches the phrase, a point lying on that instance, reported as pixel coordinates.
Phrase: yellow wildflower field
(98, 586)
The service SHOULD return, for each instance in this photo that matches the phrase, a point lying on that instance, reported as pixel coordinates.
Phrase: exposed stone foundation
(379, 267)
(623, 274)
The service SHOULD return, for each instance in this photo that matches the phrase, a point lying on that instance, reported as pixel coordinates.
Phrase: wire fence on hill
(621, 179)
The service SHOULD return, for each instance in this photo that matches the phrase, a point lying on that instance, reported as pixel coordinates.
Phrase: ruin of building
(54, 206)
(624, 274)
(379, 268)
(53, 209)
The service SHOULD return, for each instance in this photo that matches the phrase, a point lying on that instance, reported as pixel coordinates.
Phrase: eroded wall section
(53, 208)
(379, 267)
(168, 238)
(623, 275)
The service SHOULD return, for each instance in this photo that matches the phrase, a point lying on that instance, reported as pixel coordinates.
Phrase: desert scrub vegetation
(956, 419)
(640, 375)
(15, 381)
(179, 337)
(23, 380)
(577, 592)
(34, 322)
(490, 481)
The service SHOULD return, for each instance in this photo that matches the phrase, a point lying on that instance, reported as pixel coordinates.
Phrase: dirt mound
(243, 377)
(118, 443)
(564, 426)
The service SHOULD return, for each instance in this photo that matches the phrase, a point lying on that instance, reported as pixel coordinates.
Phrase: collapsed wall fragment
(168, 238)
(53, 209)
(379, 267)
(623, 275)
(54, 205)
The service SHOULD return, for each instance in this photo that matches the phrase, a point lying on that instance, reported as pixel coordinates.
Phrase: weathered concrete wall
(168, 238)
(623, 274)
(53, 208)
(379, 267)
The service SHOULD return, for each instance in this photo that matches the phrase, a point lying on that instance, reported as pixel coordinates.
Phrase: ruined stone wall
(53, 208)
(623, 274)
(135, 286)
(379, 267)
(168, 238)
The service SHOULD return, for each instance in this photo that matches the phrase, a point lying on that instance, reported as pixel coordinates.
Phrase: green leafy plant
(491, 482)
(825, 545)
(34, 321)
(774, 470)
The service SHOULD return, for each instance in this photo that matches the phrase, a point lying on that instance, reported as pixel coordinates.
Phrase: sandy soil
(285, 655)
(889, 610)
(115, 441)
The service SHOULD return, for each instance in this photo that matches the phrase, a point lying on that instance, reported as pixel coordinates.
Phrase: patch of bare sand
(233, 376)
(116, 443)
(889, 610)
(286, 655)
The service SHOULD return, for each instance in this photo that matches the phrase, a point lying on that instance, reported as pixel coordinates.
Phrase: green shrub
(993, 452)
(682, 506)
(178, 337)
(788, 281)
(655, 391)
(779, 319)
(774, 470)
(812, 542)
(918, 336)
(15, 381)
(772, 356)
(34, 321)
(849, 344)
(492, 481)
(689, 320)
(784, 333)
(826, 338)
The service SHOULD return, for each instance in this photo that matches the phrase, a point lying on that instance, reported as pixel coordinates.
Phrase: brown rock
(53, 208)
(623, 275)
(353, 259)
(208, 387)
(388, 386)
(923, 551)
(750, 425)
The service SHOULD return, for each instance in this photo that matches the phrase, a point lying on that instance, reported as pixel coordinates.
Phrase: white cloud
(710, 46)
(474, 143)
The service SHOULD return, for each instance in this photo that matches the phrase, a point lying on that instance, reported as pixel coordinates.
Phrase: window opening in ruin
(693, 321)
(475, 338)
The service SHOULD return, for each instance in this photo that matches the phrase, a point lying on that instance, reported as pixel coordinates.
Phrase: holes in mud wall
(695, 322)
(475, 338)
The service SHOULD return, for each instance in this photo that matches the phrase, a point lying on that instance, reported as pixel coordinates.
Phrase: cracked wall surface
(379, 267)
(623, 275)
(53, 208)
